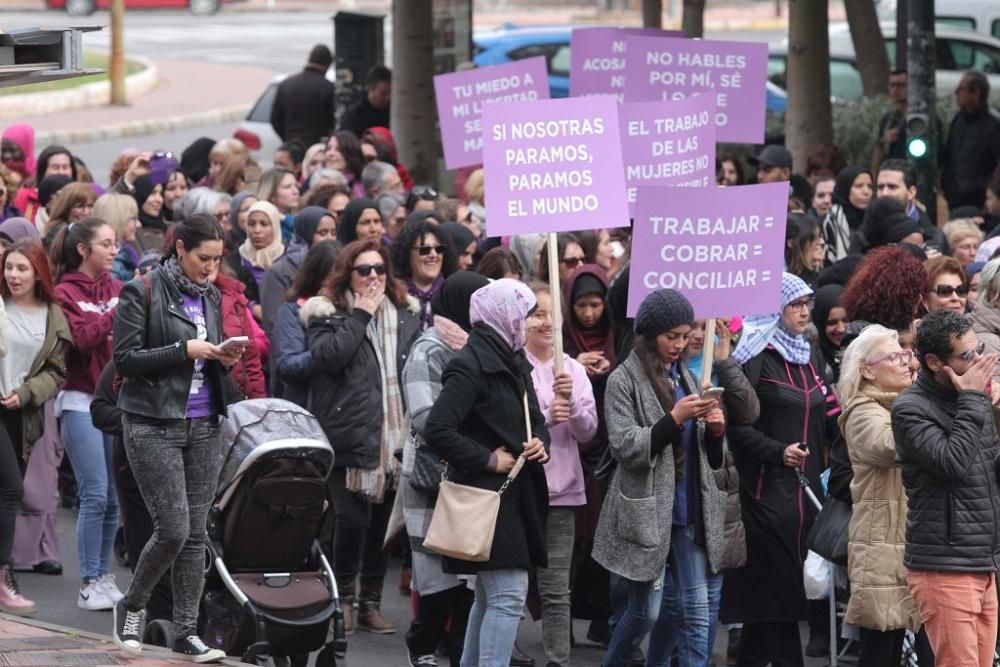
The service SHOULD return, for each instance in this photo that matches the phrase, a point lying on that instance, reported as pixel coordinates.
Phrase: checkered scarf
(372, 483)
(759, 331)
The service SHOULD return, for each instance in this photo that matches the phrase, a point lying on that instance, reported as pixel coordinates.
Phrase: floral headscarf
(503, 306)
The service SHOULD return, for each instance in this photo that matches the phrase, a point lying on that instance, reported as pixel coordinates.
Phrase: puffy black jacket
(151, 330)
(947, 446)
(345, 393)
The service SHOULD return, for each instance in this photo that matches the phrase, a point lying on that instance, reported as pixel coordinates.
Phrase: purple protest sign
(553, 166)
(665, 68)
(461, 95)
(722, 248)
(668, 143)
(597, 59)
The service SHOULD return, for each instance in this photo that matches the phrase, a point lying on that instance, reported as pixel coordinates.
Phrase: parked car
(510, 43)
(255, 130)
(87, 7)
(958, 51)
(982, 16)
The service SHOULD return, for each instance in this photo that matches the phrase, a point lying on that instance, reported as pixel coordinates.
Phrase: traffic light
(918, 132)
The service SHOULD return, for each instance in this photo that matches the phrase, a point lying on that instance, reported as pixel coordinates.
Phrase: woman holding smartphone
(166, 349)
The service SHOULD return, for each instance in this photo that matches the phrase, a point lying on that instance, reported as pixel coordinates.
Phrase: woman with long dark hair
(167, 350)
(343, 153)
(361, 327)
(660, 532)
(82, 256)
(30, 374)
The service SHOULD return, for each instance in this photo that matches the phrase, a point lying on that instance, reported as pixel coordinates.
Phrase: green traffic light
(917, 147)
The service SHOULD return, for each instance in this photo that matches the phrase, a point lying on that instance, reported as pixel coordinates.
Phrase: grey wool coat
(633, 532)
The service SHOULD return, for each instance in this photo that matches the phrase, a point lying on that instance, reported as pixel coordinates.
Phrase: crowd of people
(132, 315)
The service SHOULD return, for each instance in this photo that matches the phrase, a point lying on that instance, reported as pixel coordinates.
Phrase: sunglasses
(572, 262)
(970, 355)
(365, 270)
(424, 192)
(945, 291)
(426, 249)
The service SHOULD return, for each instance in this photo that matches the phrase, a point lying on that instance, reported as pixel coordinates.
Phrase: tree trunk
(116, 69)
(414, 115)
(652, 13)
(693, 20)
(869, 46)
(808, 118)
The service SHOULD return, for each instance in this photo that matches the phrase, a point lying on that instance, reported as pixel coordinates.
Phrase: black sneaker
(195, 650)
(423, 660)
(128, 629)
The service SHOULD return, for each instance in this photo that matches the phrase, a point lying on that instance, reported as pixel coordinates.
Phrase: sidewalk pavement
(188, 94)
(26, 643)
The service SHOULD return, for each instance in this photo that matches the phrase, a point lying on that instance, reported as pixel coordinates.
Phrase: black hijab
(347, 226)
(307, 220)
(452, 300)
(194, 159)
(827, 298)
(458, 235)
(842, 194)
(142, 189)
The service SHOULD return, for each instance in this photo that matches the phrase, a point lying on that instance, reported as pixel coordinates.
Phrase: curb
(154, 652)
(81, 97)
(143, 127)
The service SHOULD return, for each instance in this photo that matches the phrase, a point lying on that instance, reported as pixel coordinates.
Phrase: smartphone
(713, 393)
(161, 165)
(235, 341)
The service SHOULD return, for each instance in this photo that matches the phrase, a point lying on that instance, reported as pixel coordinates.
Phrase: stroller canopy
(269, 425)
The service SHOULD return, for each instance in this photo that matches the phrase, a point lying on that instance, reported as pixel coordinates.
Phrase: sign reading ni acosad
(553, 166)
(597, 59)
(722, 248)
(668, 143)
(667, 68)
(461, 95)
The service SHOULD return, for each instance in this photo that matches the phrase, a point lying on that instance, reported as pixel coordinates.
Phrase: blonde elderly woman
(875, 370)
(964, 239)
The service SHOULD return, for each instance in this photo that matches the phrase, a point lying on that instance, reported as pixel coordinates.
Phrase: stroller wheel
(159, 633)
(121, 554)
(326, 658)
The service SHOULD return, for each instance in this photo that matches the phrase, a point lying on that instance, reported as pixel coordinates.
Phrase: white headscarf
(759, 331)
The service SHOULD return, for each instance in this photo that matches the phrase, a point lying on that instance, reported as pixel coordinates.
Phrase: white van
(982, 16)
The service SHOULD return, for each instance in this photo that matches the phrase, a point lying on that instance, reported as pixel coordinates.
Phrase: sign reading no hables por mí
(461, 95)
(666, 68)
(722, 248)
(597, 59)
(668, 143)
(553, 166)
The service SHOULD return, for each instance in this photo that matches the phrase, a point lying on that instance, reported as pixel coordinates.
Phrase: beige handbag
(465, 517)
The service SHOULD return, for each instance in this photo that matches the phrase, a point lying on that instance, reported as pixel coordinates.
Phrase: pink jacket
(564, 471)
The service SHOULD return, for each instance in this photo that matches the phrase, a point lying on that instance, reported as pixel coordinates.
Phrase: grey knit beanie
(661, 311)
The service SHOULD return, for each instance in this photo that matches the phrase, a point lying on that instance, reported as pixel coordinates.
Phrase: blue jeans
(689, 614)
(89, 451)
(492, 629)
(636, 606)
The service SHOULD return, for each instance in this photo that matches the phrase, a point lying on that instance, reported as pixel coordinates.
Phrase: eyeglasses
(802, 303)
(970, 355)
(222, 216)
(572, 262)
(365, 270)
(896, 358)
(426, 249)
(108, 245)
(945, 291)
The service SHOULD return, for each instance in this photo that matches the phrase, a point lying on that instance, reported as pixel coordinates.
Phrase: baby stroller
(270, 592)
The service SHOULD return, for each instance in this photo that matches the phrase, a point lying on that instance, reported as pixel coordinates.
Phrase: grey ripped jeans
(176, 465)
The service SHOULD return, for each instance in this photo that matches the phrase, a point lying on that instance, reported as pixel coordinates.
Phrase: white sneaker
(92, 597)
(107, 584)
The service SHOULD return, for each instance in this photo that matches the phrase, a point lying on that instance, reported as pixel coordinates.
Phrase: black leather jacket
(947, 447)
(150, 352)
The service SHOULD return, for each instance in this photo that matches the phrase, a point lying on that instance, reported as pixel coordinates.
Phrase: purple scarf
(426, 314)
